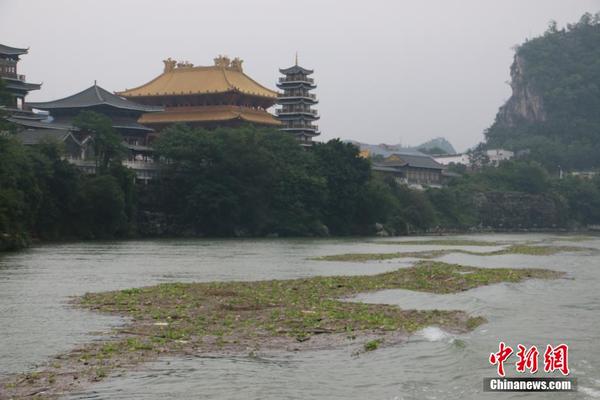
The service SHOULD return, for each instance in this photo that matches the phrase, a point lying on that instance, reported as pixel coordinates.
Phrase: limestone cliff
(525, 104)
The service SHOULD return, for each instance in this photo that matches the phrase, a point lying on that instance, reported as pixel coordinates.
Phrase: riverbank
(249, 317)
(14, 243)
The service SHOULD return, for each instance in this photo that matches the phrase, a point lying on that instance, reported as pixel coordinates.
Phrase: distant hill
(554, 110)
(387, 149)
(431, 146)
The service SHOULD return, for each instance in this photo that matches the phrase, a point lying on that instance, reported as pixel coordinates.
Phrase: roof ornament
(296, 58)
(236, 64)
(184, 64)
(222, 61)
(169, 64)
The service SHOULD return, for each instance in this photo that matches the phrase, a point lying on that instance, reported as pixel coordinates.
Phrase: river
(36, 321)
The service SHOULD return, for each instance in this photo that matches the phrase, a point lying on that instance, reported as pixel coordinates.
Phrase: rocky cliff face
(524, 104)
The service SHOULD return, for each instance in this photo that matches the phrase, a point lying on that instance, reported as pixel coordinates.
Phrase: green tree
(108, 147)
(243, 181)
(347, 175)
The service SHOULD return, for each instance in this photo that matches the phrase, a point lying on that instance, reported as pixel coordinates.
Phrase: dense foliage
(252, 182)
(44, 196)
(249, 181)
(561, 68)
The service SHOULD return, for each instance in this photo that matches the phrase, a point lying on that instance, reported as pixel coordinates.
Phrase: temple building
(123, 114)
(296, 102)
(209, 97)
(15, 83)
(417, 170)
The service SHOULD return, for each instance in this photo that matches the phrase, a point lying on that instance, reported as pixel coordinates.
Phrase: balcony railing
(141, 165)
(296, 79)
(10, 75)
(299, 94)
(283, 111)
(301, 126)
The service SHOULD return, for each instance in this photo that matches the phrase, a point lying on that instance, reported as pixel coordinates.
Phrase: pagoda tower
(15, 83)
(296, 102)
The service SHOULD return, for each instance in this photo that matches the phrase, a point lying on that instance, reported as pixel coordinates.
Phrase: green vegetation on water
(241, 317)
(427, 254)
(443, 242)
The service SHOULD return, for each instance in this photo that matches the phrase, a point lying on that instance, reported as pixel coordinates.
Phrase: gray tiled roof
(29, 123)
(295, 70)
(417, 160)
(35, 136)
(11, 51)
(93, 96)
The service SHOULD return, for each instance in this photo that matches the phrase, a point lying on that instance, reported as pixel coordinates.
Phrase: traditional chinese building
(296, 102)
(213, 96)
(123, 114)
(15, 83)
(417, 170)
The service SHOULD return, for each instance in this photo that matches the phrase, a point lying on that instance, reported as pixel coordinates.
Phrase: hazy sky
(387, 71)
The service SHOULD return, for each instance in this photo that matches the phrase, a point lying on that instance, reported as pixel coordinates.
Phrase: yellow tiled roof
(209, 114)
(199, 80)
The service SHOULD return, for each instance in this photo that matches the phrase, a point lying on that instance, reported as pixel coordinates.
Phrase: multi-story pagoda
(213, 96)
(296, 102)
(15, 83)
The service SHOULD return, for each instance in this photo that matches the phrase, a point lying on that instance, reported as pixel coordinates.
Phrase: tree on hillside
(558, 76)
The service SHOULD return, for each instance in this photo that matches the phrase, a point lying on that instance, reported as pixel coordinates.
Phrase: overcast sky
(387, 71)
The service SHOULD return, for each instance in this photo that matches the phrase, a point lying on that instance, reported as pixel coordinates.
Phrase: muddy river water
(36, 321)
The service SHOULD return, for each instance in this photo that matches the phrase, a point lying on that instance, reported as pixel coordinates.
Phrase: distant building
(494, 156)
(415, 170)
(296, 112)
(447, 159)
(123, 114)
(497, 155)
(209, 97)
(585, 174)
(15, 83)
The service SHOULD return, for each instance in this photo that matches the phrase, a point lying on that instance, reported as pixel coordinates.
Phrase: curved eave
(298, 116)
(50, 107)
(296, 84)
(197, 93)
(20, 85)
(297, 100)
(209, 114)
(295, 69)
(304, 131)
(12, 51)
